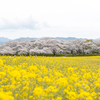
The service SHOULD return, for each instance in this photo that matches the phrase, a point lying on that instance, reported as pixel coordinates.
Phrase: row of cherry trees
(50, 46)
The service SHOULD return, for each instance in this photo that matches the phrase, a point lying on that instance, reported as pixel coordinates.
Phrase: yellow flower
(89, 98)
(49, 78)
(38, 91)
(6, 96)
(59, 98)
(1, 62)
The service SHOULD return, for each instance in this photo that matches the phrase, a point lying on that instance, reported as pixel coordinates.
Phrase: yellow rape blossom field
(49, 78)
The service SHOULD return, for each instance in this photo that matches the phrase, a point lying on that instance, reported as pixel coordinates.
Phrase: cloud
(28, 23)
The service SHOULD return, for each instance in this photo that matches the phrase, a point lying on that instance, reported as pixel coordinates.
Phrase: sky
(50, 18)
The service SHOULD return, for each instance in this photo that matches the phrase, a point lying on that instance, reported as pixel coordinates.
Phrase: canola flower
(49, 78)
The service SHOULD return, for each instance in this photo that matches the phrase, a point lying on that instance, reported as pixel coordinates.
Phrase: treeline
(51, 47)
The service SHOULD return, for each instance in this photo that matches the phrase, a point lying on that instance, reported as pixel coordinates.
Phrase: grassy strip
(58, 55)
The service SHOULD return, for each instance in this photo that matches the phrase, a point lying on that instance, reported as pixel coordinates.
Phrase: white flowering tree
(49, 46)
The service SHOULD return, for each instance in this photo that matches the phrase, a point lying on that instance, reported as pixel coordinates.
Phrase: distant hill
(3, 40)
(22, 38)
(68, 38)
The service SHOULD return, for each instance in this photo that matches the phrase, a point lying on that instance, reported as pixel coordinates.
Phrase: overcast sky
(50, 18)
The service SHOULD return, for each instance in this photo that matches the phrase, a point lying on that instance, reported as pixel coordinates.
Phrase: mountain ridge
(4, 39)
